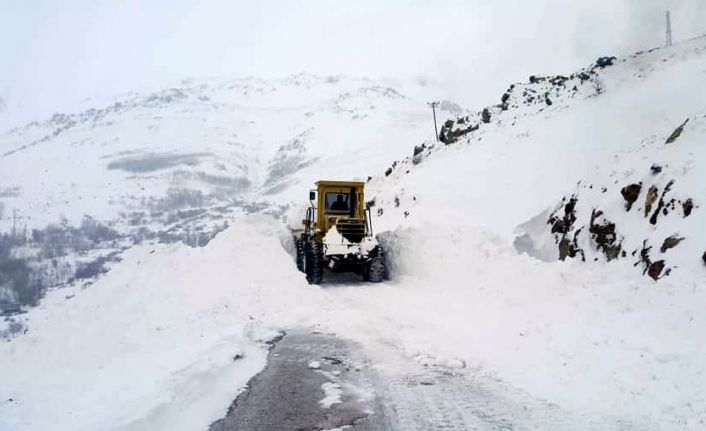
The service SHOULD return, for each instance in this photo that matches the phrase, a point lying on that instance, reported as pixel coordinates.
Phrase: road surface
(317, 381)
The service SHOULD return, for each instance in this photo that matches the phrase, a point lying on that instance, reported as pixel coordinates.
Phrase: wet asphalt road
(380, 388)
(288, 393)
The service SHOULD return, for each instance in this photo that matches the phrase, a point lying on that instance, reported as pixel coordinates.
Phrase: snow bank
(165, 341)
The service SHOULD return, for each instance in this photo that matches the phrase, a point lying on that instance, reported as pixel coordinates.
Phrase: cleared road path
(311, 382)
(320, 382)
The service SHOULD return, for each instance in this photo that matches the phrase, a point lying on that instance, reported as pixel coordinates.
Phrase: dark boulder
(418, 149)
(630, 194)
(655, 269)
(485, 115)
(688, 207)
(656, 169)
(704, 258)
(670, 242)
(605, 61)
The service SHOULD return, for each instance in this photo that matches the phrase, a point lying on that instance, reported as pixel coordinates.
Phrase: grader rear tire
(375, 272)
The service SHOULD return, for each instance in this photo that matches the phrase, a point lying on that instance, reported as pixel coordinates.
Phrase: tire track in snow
(427, 397)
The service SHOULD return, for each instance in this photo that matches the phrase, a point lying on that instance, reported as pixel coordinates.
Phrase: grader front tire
(314, 262)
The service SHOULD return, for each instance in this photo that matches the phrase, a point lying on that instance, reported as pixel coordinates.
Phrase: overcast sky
(53, 54)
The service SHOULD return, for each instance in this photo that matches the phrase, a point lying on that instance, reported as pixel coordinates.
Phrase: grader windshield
(338, 202)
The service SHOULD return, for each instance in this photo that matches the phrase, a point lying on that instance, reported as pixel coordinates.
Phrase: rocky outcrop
(600, 236)
(604, 236)
(650, 199)
(650, 268)
(562, 226)
(661, 204)
(603, 62)
(450, 135)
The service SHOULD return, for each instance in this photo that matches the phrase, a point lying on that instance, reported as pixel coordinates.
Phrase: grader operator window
(337, 202)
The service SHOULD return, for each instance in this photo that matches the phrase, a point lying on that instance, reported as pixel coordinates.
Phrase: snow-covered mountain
(475, 226)
(220, 138)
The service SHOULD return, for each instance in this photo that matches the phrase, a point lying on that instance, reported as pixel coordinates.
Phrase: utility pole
(669, 29)
(433, 110)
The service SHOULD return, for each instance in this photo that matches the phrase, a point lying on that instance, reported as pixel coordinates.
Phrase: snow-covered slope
(470, 229)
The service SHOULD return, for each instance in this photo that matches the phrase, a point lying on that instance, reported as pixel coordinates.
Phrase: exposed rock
(548, 101)
(688, 207)
(564, 224)
(652, 195)
(485, 115)
(558, 80)
(704, 258)
(644, 257)
(418, 149)
(676, 133)
(605, 61)
(670, 242)
(660, 205)
(604, 235)
(655, 269)
(655, 168)
(388, 172)
(449, 135)
(630, 194)
(571, 248)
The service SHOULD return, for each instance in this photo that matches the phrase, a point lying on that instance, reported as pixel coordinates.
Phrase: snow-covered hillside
(173, 165)
(474, 231)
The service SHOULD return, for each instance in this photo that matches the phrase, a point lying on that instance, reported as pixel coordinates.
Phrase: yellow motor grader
(337, 234)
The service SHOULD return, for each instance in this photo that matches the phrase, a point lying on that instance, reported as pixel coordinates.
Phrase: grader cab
(337, 234)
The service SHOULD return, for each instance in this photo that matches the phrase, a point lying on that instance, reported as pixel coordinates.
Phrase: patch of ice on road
(314, 365)
(333, 394)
